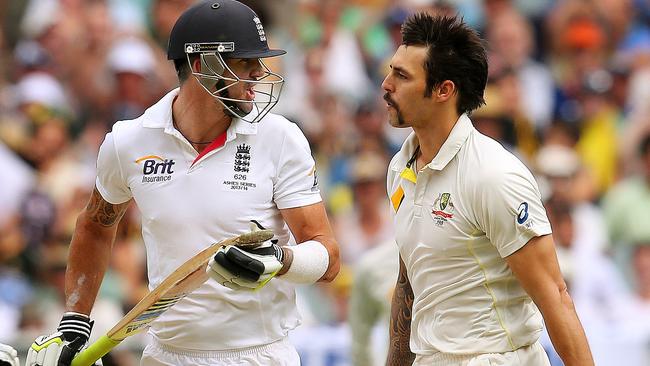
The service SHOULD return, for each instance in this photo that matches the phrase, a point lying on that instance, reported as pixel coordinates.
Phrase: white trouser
(279, 353)
(533, 355)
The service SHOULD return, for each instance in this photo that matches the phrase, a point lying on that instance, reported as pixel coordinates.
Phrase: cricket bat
(185, 279)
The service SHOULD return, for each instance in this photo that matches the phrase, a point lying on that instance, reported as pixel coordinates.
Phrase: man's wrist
(75, 325)
(308, 263)
(287, 259)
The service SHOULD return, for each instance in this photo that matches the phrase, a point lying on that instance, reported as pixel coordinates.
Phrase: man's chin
(245, 107)
(395, 122)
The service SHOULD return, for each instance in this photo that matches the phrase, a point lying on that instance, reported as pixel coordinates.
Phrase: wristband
(75, 325)
(310, 262)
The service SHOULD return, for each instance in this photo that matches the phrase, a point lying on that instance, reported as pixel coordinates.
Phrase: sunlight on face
(244, 69)
(405, 85)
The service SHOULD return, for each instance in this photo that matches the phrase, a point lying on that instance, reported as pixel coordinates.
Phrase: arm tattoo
(102, 212)
(399, 352)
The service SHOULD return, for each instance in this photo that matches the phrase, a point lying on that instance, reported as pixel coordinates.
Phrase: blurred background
(568, 92)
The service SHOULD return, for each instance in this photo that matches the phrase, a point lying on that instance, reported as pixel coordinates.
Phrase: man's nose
(386, 85)
(257, 71)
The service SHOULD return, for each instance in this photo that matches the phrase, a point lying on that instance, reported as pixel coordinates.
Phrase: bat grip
(94, 352)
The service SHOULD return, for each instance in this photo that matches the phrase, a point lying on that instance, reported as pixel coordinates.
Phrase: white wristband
(310, 261)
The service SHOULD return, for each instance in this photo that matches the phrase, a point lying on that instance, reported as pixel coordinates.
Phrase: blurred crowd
(568, 92)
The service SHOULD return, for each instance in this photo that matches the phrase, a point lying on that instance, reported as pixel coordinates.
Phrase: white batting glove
(246, 269)
(59, 348)
(8, 356)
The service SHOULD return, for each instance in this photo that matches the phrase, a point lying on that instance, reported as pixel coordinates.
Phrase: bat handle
(94, 352)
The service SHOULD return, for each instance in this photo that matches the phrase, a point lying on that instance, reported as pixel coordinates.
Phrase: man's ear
(445, 91)
(196, 64)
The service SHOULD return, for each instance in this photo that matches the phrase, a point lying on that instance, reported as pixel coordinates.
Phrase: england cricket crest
(442, 209)
(241, 180)
(243, 158)
(260, 29)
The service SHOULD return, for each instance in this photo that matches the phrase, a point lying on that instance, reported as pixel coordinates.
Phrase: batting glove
(59, 348)
(8, 356)
(247, 268)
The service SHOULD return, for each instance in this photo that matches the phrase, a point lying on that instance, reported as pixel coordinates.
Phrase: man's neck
(198, 119)
(432, 135)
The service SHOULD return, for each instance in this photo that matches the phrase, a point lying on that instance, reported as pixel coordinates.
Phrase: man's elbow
(86, 226)
(563, 291)
(552, 297)
(334, 265)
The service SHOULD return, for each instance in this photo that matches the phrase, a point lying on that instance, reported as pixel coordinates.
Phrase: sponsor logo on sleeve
(314, 186)
(523, 217)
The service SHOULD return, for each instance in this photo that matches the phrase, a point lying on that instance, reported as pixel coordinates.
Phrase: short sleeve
(111, 183)
(296, 182)
(510, 210)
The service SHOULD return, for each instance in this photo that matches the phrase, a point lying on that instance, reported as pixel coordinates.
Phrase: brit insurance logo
(241, 169)
(155, 168)
(442, 209)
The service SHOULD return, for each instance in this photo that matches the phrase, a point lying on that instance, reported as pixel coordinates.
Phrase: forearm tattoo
(399, 352)
(102, 212)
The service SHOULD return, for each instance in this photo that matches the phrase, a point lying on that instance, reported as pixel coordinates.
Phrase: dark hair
(183, 68)
(455, 52)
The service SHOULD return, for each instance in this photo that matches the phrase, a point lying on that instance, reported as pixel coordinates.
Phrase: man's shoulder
(277, 122)
(487, 163)
(155, 118)
(128, 131)
(491, 157)
(278, 128)
(488, 147)
(128, 125)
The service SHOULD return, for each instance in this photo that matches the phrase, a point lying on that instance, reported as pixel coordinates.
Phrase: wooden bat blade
(185, 279)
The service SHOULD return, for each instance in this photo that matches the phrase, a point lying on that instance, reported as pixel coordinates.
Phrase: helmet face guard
(217, 78)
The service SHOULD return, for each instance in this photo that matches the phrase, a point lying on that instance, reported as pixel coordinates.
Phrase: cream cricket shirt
(188, 203)
(473, 205)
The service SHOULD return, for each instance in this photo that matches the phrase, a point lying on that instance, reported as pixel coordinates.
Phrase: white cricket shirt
(473, 205)
(186, 205)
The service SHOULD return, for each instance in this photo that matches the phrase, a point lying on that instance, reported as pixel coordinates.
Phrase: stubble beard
(243, 106)
(398, 121)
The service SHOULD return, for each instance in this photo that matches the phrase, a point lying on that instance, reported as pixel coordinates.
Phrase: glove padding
(8, 356)
(246, 269)
(59, 348)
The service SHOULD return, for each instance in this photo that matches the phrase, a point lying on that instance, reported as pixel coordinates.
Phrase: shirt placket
(190, 154)
(420, 191)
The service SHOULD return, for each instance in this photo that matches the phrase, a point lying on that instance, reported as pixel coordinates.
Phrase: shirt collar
(241, 127)
(459, 134)
(454, 142)
(159, 115)
(405, 153)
